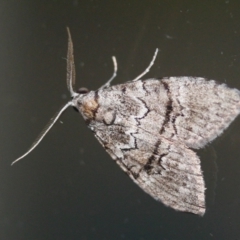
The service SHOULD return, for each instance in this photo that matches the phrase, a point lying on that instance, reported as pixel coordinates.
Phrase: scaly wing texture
(201, 109)
(191, 110)
(168, 171)
(148, 127)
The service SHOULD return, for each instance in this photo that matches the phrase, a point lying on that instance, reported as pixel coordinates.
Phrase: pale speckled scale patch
(148, 127)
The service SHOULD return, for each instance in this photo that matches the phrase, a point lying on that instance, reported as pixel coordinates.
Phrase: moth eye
(75, 109)
(82, 90)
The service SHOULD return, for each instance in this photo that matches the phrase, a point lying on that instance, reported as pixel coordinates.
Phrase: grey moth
(149, 127)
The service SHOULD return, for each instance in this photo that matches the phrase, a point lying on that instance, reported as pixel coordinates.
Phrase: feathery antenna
(71, 74)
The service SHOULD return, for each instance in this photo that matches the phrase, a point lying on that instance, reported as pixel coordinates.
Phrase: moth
(150, 126)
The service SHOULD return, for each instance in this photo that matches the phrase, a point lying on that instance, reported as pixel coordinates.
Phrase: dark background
(69, 188)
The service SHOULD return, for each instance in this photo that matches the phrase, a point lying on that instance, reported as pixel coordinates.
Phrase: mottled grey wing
(198, 110)
(190, 110)
(148, 127)
(168, 171)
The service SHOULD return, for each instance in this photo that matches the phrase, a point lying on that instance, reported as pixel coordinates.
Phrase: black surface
(69, 188)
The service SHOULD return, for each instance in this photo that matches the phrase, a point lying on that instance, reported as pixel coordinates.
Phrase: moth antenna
(107, 84)
(149, 67)
(44, 131)
(71, 72)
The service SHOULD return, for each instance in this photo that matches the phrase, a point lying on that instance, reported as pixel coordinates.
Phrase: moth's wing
(185, 109)
(147, 127)
(168, 171)
(198, 110)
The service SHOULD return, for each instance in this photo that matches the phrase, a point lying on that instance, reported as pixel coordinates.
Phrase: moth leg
(107, 84)
(149, 66)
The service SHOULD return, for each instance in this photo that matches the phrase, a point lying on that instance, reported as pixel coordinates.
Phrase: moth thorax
(89, 106)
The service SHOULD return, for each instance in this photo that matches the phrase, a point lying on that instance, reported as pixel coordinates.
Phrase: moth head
(87, 104)
(80, 91)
